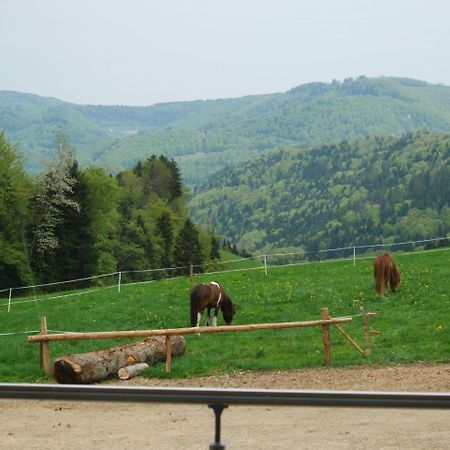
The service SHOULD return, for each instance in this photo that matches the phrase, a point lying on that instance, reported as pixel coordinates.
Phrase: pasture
(414, 322)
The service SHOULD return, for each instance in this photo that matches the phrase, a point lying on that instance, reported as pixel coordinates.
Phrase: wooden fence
(44, 338)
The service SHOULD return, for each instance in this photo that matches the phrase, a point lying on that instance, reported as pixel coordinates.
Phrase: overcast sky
(141, 52)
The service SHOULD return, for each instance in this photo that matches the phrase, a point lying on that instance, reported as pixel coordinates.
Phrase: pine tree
(76, 255)
(187, 248)
(215, 248)
(164, 228)
(176, 186)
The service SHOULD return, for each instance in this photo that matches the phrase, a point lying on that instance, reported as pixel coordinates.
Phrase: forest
(71, 223)
(366, 191)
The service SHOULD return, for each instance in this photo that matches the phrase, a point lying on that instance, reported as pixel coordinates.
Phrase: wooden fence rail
(178, 331)
(44, 338)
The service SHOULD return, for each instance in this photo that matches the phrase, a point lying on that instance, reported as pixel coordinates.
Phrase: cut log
(125, 373)
(85, 368)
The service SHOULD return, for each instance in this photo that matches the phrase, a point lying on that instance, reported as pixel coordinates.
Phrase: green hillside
(205, 136)
(359, 192)
(295, 293)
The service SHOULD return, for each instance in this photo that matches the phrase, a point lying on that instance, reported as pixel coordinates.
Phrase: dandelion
(439, 328)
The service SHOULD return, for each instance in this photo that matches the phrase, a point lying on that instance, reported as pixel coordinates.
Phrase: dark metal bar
(217, 445)
(226, 396)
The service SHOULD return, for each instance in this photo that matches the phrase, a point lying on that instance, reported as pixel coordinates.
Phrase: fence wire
(265, 261)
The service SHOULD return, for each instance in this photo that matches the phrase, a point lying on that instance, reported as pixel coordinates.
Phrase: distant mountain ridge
(206, 136)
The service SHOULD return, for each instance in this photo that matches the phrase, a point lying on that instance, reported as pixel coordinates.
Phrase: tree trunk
(85, 368)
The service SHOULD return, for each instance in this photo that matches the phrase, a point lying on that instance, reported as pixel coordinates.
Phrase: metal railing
(218, 399)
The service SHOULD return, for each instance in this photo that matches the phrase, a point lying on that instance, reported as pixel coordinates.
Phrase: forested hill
(205, 136)
(360, 192)
(74, 224)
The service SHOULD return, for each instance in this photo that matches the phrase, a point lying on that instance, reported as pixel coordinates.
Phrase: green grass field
(414, 322)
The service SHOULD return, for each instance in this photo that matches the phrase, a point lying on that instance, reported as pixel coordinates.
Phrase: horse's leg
(199, 316)
(215, 317)
(387, 276)
(208, 320)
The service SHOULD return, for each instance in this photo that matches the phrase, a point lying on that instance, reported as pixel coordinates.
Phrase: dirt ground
(92, 425)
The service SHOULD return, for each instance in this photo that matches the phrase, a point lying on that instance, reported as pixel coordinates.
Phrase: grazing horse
(210, 295)
(385, 271)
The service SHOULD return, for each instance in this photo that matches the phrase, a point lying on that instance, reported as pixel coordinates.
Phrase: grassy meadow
(414, 322)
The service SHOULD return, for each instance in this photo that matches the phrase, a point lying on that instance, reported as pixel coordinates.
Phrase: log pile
(85, 368)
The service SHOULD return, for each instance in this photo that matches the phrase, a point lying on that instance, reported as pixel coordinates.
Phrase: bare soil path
(53, 425)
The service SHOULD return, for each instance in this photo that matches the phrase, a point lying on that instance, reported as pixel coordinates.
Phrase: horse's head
(228, 309)
(395, 278)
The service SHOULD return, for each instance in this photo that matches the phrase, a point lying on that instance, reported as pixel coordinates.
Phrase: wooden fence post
(191, 271)
(168, 354)
(45, 349)
(326, 337)
(9, 299)
(366, 330)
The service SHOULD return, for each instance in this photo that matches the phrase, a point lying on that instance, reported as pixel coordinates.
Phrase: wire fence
(117, 280)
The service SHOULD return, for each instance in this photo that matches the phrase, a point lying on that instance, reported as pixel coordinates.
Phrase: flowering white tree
(56, 185)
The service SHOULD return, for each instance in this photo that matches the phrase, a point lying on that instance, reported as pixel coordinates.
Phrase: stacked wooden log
(85, 368)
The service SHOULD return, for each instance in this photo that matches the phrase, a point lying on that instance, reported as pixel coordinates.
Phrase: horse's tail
(194, 302)
(380, 281)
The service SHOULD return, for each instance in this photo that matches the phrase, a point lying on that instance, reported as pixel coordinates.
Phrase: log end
(66, 372)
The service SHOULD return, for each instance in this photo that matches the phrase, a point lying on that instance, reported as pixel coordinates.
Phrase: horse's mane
(226, 302)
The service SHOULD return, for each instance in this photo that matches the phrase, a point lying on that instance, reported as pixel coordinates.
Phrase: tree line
(71, 223)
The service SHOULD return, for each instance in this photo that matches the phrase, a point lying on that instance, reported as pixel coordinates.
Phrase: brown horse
(385, 271)
(210, 295)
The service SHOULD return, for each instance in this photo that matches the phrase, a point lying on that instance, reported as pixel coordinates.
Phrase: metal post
(218, 408)
(354, 256)
(120, 281)
(265, 264)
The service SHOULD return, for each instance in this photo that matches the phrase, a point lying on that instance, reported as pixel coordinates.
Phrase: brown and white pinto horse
(385, 271)
(209, 296)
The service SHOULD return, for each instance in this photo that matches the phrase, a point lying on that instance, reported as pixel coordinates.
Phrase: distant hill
(331, 195)
(205, 136)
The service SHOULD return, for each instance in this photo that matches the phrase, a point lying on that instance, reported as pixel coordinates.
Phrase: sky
(142, 52)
